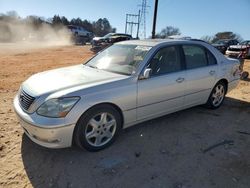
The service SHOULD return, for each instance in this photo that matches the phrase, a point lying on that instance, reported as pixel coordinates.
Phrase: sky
(195, 18)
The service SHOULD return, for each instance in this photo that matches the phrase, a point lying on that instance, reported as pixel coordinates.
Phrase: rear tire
(217, 96)
(97, 128)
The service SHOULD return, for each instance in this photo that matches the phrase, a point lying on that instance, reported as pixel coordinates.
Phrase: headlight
(57, 108)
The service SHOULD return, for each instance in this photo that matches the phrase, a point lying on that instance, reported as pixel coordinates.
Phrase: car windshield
(108, 35)
(245, 43)
(221, 42)
(122, 59)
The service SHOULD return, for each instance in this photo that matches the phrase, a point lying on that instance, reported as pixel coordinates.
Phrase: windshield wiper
(92, 66)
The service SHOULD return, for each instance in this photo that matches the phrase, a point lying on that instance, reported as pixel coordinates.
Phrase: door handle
(179, 80)
(212, 72)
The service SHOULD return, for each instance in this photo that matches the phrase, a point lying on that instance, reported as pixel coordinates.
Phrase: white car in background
(127, 83)
(240, 50)
(78, 31)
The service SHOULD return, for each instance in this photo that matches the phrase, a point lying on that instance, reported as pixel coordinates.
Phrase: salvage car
(223, 44)
(240, 50)
(99, 43)
(127, 83)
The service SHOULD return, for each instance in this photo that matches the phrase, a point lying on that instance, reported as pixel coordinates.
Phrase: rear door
(202, 68)
(163, 92)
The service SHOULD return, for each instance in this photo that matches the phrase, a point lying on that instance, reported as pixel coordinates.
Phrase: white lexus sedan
(127, 83)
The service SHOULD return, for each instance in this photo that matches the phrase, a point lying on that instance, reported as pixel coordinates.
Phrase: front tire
(217, 96)
(98, 128)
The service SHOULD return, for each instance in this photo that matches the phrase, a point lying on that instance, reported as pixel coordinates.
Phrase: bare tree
(168, 31)
(102, 27)
(207, 38)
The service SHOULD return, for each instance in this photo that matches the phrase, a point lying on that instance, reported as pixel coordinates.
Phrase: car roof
(120, 34)
(227, 40)
(155, 42)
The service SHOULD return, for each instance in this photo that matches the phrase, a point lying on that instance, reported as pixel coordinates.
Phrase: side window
(211, 59)
(166, 60)
(195, 56)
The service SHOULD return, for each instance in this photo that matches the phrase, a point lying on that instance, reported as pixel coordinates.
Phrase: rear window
(211, 59)
(166, 60)
(195, 56)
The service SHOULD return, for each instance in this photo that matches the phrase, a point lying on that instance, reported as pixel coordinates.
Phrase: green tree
(87, 25)
(56, 20)
(34, 21)
(64, 20)
(226, 35)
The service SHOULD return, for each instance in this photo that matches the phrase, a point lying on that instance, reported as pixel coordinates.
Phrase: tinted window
(166, 60)
(195, 56)
(211, 59)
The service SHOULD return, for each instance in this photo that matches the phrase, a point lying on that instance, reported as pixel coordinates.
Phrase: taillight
(248, 51)
(238, 70)
(245, 52)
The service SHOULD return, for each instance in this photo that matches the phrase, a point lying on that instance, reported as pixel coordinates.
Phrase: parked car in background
(179, 37)
(223, 44)
(127, 83)
(240, 50)
(79, 34)
(99, 43)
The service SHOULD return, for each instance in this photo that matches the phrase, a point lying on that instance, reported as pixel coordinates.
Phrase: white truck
(79, 34)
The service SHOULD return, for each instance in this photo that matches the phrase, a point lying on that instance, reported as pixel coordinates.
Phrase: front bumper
(233, 53)
(56, 136)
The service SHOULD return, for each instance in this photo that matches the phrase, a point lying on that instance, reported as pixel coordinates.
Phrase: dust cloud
(15, 34)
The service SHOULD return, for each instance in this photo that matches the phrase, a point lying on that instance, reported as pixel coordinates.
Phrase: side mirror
(146, 74)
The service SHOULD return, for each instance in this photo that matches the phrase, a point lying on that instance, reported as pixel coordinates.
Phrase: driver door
(163, 92)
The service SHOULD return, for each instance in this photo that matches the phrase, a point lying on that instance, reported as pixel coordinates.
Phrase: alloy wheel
(218, 95)
(100, 129)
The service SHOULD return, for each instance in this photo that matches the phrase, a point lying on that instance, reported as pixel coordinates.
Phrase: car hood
(98, 38)
(65, 78)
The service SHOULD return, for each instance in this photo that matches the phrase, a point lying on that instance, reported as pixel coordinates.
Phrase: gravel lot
(169, 152)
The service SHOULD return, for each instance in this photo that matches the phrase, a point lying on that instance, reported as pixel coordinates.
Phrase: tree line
(99, 28)
(170, 30)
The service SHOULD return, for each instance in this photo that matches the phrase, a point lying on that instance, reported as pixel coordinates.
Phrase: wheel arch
(114, 106)
(94, 106)
(225, 81)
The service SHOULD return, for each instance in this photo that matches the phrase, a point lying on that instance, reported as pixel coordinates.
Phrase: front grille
(236, 49)
(25, 100)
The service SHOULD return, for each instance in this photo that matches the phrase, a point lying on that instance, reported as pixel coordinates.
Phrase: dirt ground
(167, 152)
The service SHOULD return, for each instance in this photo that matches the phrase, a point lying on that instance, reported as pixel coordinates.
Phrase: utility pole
(154, 21)
(131, 21)
(138, 26)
